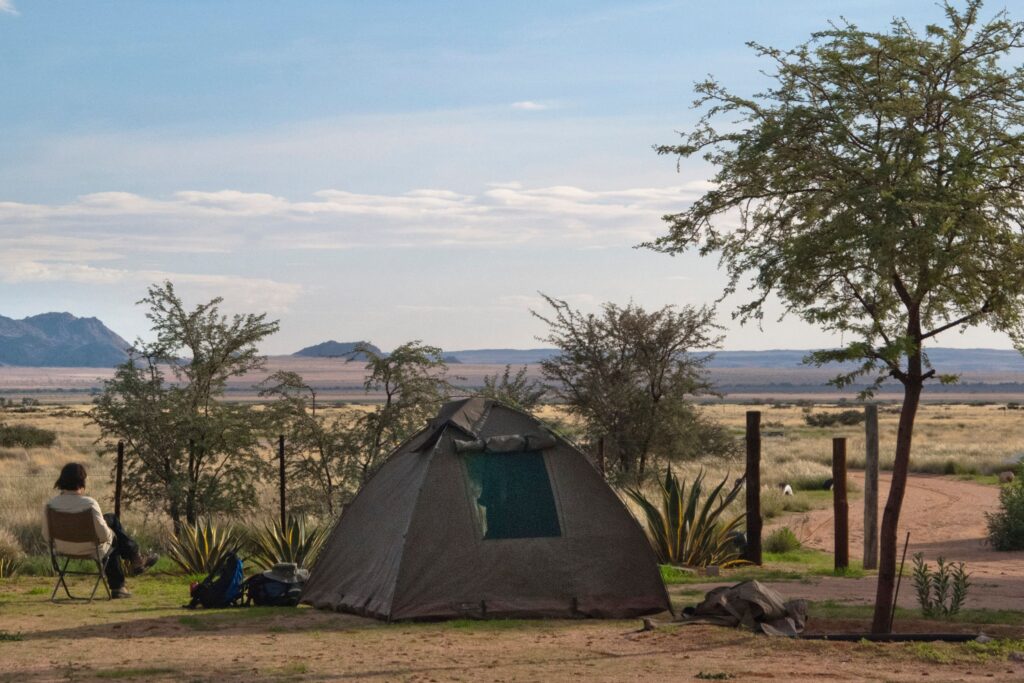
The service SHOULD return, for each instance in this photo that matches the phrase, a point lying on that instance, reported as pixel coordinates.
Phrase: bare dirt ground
(115, 641)
(149, 637)
(945, 517)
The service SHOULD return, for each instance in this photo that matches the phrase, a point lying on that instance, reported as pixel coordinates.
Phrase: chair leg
(61, 580)
(101, 566)
(62, 572)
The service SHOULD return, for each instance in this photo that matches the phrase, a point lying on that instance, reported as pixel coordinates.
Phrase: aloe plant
(199, 549)
(685, 531)
(294, 543)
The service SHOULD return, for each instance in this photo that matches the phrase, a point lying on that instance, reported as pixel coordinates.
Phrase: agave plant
(200, 548)
(684, 531)
(294, 543)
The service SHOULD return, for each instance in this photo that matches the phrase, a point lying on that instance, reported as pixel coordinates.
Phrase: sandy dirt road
(945, 517)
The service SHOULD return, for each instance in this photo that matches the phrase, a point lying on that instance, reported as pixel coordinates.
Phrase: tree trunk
(175, 515)
(891, 517)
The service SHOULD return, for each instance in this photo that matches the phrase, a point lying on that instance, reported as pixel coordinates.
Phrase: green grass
(139, 672)
(10, 637)
(966, 653)
(988, 479)
(831, 609)
(814, 563)
(673, 576)
(795, 565)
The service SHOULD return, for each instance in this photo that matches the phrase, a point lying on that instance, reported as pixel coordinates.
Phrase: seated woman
(117, 543)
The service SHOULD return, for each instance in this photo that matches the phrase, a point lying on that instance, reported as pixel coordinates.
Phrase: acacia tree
(321, 451)
(414, 383)
(189, 452)
(630, 375)
(877, 188)
(516, 390)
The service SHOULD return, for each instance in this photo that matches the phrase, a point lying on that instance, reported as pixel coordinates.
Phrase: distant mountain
(944, 359)
(59, 340)
(334, 349)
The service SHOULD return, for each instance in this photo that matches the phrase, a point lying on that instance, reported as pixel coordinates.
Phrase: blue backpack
(222, 588)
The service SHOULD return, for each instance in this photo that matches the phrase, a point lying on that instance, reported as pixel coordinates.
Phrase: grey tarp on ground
(751, 605)
(410, 545)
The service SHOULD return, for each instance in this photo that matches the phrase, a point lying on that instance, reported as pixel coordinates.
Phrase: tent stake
(899, 579)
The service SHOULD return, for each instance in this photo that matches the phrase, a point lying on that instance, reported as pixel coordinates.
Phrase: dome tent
(486, 513)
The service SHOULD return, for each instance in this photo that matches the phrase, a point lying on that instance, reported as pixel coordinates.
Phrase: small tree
(629, 375)
(878, 187)
(414, 383)
(518, 390)
(190, 452)
(320, 452)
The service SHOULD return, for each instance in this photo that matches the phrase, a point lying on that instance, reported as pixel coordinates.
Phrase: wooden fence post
(280, 454)
(840, 506)
(871, 486)
(118, 479)
(753, 477)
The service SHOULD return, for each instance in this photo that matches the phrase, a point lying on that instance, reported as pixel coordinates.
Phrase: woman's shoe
(119, 593)
(142, 563)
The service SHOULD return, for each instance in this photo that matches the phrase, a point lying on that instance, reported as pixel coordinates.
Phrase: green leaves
(270, 544)
(200, 548)
(189, 452)
(630, 374)
(940, 593)
(686, 531)
(877, 187)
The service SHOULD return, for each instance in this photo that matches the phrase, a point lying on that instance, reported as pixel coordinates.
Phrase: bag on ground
(277, 587)
(222, 588)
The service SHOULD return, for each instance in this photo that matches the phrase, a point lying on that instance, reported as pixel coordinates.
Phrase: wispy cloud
(228, 220)
(241, 292)
(7, 6)
(530, 105)
(115, 238)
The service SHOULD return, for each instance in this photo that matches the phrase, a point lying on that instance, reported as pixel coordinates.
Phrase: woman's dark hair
(72, 477)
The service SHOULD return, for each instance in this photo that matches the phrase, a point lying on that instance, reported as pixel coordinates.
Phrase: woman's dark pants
(123, 548)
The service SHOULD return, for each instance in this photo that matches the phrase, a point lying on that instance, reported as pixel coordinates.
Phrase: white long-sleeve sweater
(71, 501)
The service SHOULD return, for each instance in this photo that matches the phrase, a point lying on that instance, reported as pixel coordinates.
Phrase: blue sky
(382, 171)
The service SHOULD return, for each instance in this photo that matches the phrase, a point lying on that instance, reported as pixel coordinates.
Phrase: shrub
(845, 417)
(26, 436)
(29, 534)
(1006, 525)
(685, 531)
(200, 548)
(941, 593)
(272, 544)
(10, 553)
(781, 541)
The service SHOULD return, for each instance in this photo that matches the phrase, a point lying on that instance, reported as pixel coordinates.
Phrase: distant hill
(944, 359)
(59, 340)
(334, 349)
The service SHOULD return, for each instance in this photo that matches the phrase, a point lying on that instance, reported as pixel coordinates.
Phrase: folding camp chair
(75, 527)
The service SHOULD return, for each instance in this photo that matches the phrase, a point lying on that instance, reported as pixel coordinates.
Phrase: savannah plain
(960, 447)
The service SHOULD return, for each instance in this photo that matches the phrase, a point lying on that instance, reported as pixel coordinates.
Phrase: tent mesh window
(513, 495)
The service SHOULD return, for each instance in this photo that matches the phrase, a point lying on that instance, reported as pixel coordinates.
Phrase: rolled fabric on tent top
(506, 443)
